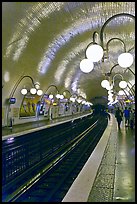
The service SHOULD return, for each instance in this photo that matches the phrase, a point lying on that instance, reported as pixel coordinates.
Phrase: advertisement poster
(29, 105)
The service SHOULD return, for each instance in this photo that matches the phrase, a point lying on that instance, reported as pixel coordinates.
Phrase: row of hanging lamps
(33, 91)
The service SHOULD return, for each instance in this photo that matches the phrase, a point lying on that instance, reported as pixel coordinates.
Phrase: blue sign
(12, 100)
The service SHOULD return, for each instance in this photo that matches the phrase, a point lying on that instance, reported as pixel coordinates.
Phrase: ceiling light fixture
(96, 51)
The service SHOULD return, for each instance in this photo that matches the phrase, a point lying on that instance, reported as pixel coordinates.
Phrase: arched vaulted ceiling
(47, 40)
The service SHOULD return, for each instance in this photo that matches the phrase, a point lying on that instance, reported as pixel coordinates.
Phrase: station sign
(12, 100)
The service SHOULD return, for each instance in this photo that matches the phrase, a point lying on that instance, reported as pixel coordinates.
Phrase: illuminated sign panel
(12, 100)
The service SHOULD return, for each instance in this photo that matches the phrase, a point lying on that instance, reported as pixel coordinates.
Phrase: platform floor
(115, 180)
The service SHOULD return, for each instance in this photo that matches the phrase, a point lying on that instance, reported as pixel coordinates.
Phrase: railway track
(53, 181)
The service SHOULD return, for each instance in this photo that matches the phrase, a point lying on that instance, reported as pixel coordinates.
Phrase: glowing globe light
(125, 60)
(94, 52)
(109, 87)
(121, 93)
(110, 91)
(51, 96)
(79, 100)
(110, 94)
(33, 91)
(72, 99)
(24, 91)
(61, 96)
(86, 65)
(110, 97)
(39, 92)
(58, 96)
(37, 85)
(123, 84)
(110, 100)
(105, 83)
(83, 102)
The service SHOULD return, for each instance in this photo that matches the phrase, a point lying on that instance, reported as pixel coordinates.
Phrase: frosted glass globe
(108, 87)
(37, 85)
(61, 96)
(110, 94)
(72, 99)
(125, 60)
(58, 96)
(94, 53)
(39, 92)
(121, 92)
(51, 96)
(105, 83)
(83, 102)
(123, 84)
(79, 100)
(110, 99)
(33, 91)
(24, 91)
(86, 65)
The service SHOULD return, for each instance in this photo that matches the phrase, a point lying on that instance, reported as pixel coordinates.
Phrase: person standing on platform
(127, 116)
(118, 115)
(132, 118)
(11, 120)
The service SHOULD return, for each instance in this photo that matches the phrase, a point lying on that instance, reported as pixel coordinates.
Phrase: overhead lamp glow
(83, 102)
(86, 65)
(33, 91)
(61, 96)
(123, 84)
(79, 100)
(72, 99)
(110, 97)
(24, 91)
(39, 92)
(109, 87)
(110, 91)
(58, 96)
(94, 52)
(125, 60)
(37, 85)
(105, 83)
(110, 94)
(51, 96)
(121, 92)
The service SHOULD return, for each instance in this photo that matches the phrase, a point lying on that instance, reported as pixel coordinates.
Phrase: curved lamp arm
(52, 85)
(66, 91)
(115, 39)
(13, 91)
(111, 18)
(115, 76)
(18, 82)
(124, 71)
(94, 36)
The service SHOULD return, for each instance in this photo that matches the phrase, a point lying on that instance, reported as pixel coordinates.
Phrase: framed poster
(28, 106)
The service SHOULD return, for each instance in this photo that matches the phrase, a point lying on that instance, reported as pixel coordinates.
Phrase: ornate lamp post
(96, 51)
(24, 91)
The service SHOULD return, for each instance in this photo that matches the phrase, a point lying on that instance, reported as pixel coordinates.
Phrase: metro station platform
(109, 173)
